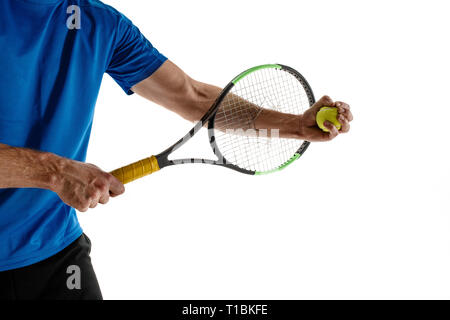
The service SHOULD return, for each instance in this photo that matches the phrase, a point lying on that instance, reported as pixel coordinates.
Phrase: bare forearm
(204, 95)
(254, 117)
(25, 168)
(80, 185)
(287, 124)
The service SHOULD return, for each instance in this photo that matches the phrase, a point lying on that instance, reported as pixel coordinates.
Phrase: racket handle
(136, 170)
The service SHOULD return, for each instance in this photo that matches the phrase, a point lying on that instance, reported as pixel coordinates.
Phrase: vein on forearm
(25, 168)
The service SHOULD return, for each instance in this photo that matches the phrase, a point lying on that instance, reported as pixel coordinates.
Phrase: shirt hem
(145, 74)
(42, 255)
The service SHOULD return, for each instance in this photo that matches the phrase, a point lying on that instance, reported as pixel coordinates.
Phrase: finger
(116, 187)
(83, 206)
(333, 130)
(344, 108)
(349, 115)
(345, 125)
(104, 199)
(94, 203)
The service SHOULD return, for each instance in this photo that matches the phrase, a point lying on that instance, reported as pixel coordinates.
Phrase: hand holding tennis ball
(325, 120)
(328, 114)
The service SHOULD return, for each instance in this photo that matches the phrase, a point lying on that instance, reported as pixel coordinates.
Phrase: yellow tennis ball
(330, 114)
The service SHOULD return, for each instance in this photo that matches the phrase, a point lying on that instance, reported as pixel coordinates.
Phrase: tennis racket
(235, 140)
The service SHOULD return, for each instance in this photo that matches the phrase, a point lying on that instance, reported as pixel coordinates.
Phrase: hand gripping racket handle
(136, 170)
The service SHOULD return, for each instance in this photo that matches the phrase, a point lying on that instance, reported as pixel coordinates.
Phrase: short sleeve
(134, 58)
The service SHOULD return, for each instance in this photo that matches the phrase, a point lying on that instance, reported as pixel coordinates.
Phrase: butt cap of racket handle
(136, 170)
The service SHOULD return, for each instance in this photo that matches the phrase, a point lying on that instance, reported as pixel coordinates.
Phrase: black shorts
(68, 275)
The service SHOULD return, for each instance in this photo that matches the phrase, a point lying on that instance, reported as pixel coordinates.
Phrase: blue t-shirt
(53, 55)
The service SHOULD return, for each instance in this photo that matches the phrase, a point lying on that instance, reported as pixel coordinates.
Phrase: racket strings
(233, 116)
(236, 137)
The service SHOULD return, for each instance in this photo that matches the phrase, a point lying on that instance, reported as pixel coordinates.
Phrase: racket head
(273, 87)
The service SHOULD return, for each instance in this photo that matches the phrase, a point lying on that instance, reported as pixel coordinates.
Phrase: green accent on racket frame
(245, 73)
(284, 165)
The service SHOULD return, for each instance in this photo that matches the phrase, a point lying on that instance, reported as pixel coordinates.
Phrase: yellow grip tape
(136, 170)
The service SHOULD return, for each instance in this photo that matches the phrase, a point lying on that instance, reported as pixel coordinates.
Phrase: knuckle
(84, 203)
(81, 208)
(94, 194)
(108, 177)
(79, 203)
(102, 187)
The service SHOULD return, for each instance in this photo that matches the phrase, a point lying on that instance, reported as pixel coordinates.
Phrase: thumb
(116, 187)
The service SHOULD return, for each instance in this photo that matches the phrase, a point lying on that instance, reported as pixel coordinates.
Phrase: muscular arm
(83, 186)
(170, 87)
(173, 89)
(78, 184)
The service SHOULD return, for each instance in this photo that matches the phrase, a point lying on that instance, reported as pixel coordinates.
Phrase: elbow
(197, 100)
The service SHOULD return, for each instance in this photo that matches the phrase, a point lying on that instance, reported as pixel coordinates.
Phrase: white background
(364, 216)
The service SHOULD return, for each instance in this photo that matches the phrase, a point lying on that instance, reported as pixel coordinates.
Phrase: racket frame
(209, 117)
